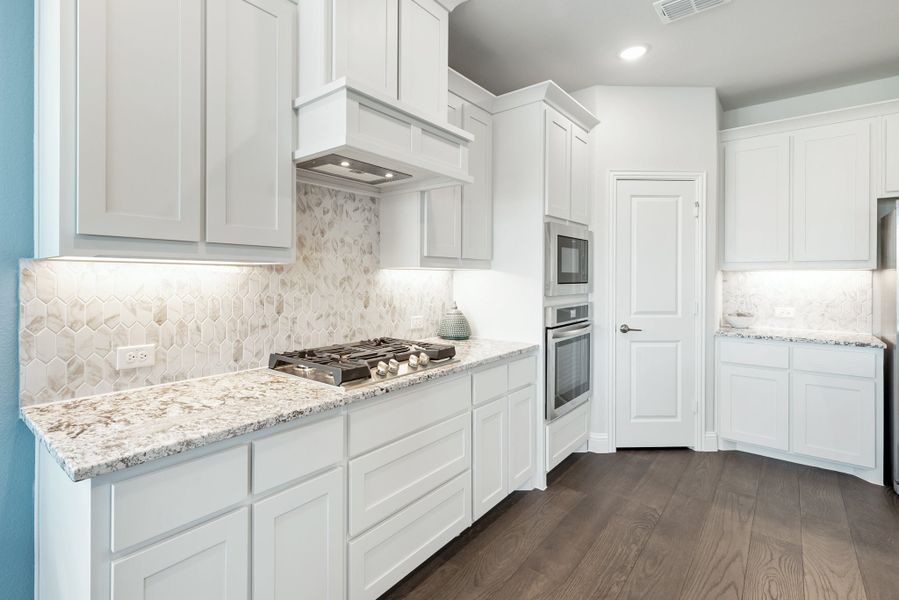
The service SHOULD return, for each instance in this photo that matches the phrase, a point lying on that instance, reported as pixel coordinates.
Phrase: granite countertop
(101, 434)
(831, 338)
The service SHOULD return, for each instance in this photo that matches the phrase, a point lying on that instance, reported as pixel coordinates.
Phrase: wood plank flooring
(674, 524)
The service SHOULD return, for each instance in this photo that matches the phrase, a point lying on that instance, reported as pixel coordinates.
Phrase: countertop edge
(822, 338)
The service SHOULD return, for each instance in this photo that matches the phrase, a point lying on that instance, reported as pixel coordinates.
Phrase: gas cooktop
(364, 362)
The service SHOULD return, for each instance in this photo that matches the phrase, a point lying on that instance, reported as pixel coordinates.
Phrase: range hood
(354, 137)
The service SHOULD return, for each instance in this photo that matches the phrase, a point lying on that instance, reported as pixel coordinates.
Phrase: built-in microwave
(567, 260)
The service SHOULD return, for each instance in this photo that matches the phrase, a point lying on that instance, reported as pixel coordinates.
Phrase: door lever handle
(626, 329)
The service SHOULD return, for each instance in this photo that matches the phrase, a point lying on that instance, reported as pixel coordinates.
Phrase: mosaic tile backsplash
(214, 319)
(824, 300)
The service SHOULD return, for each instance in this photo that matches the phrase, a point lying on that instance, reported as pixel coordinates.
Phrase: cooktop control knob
(423, 359)
(393, 366)
(382, 368)
(413, 361)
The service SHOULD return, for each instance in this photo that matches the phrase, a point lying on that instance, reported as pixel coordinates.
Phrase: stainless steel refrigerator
(885, 293)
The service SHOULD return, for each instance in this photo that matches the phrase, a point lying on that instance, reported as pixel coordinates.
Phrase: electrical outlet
(134, 357)
(418, 322)
(784, 312)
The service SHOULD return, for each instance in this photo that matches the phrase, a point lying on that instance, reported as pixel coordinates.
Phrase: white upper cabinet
(165, 129)
(891, 155)
(477, 197)
(757, 200)
(423, 55)
(139, 119)
(442, 222)
(581, 177)
(558, 165)
(833, 206)
(249, 122)
(799, 198)
(369, 54)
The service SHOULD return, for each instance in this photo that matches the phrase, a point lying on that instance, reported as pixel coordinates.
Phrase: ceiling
(751, 50)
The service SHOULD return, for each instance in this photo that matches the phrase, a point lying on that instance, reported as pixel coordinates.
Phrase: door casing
(699, 181)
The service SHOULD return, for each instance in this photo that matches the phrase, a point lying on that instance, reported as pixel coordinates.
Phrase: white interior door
(655, 302)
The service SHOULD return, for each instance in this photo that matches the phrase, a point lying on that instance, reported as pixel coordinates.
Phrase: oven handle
(570, 333)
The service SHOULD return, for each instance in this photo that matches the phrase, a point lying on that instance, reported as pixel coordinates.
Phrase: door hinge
(696, 208)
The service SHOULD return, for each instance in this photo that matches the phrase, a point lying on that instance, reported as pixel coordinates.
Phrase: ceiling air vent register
(675, 10)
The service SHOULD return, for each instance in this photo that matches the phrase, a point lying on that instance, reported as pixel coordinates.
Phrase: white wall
(649, 129)
(879, 90)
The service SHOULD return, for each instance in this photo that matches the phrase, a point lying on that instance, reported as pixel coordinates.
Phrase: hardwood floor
(674, 524)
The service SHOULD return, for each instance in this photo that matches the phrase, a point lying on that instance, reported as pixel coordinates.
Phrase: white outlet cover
(135, 357)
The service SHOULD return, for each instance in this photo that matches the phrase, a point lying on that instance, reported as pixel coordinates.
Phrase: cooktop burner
(361, 362)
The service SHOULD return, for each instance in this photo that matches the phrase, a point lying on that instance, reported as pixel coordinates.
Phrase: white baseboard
(599, 443)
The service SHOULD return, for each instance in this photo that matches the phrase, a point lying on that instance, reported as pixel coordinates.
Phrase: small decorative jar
(454, 325)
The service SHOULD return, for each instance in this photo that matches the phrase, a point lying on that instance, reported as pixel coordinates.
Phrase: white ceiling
(751, 50)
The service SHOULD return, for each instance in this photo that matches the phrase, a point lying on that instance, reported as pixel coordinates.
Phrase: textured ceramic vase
(454, 325)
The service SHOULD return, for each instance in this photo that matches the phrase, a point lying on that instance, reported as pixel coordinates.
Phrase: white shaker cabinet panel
(367, 48)
(250, 179)
(891, 155)
(454, 107)
(209, 562)
(833, 206)
(755, 405)
(298, 542)
(522, 442)
(581, 177)
(442, 222)
(558, 164)
(757, 200)
(490, 476)
(834, 418)
(477, 197)
(423, 55)
(139, 118)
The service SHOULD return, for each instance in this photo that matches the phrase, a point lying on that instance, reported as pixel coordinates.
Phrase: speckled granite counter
(101, 434)
(832, 338)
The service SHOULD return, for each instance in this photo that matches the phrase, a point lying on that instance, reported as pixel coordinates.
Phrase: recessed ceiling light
(633, 52)
(345, 163)
(388, 175)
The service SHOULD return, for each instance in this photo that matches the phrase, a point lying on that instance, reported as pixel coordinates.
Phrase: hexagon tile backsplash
(824, 300)
(208, 319)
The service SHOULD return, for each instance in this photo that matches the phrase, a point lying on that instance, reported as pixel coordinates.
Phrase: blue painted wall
(16, 442)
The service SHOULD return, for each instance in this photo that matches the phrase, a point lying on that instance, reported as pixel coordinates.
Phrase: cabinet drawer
(522, 372)
(394, 476)
(490, 384)
(756, 354)
(383, 422)
(390, 551)
(281, 458)
(566, 434)
(152, 504)
(836, 362)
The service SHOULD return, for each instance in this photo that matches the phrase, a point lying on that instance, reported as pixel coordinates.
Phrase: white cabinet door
(490, 464)
(757, 200)
(366, 52)
(477, 197)
(423, 48)
(558, 164)
(832, 203)
(834, 418)
(442, 217)
(298, 542)
(250, 178)
(580, 177)
(891, 155)
(139, 118)
(454, 106)
(522, 434)
(209, 562)
(755, 405)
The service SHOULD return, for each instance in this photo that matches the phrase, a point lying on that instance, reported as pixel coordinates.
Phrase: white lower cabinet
(490, 472)
(209, 562)
(834, 418)
(754, 404)
(566, 434)
(522, 442)
(298, 541)
(390, 551)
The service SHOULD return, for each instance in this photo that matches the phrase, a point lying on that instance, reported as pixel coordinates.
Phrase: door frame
(700, 257)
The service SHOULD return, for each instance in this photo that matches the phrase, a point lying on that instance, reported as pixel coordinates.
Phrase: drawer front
(566, 434)
(383, 422)
(834, 361)
(522, 372)
(755, 354)
(152, 504)
(390, 551)
(283, 457)
(396, 475)
(490, 384)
